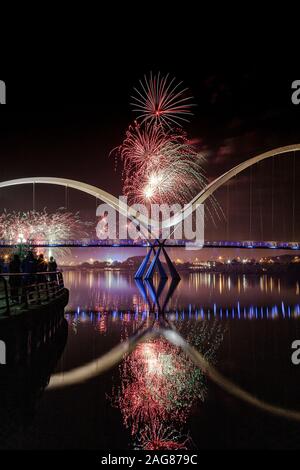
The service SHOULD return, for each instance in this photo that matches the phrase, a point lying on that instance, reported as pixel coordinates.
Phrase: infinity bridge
(134, 214)
(157, 248)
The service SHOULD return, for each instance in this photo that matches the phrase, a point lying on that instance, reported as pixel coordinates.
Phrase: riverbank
(279, 269)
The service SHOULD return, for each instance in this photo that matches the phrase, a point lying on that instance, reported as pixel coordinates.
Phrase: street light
(21, 242)
(21, 238)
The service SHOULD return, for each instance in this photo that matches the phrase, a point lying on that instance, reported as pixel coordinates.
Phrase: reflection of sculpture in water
(160, 385)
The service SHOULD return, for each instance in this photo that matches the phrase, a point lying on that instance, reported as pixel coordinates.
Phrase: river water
(156, 398)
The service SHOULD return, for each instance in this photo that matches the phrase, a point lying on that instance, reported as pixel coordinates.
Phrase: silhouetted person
(29, 266)
(52, 267)
(15, 281)
(2, 264)
(42, 267)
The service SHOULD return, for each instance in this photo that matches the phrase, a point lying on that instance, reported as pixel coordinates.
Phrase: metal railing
(22, 290)
(4, 297)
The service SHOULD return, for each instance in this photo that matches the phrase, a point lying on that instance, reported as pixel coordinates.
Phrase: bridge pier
(156, 264)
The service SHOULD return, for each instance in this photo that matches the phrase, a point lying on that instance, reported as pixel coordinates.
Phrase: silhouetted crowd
(32, 267)
(31, 264)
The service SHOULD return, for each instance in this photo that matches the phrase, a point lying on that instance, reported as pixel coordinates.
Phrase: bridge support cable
(227, 210)
(294, 196)
(272, 198)
(283, 199)
(260, 203)
(250, 204)
(66, 197)
(33, 197)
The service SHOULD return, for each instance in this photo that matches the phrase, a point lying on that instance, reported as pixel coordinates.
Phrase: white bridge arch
(127, 211)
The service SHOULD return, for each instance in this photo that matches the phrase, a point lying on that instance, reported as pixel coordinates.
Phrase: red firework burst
(142, 144)
(157, 162)
(161, 100)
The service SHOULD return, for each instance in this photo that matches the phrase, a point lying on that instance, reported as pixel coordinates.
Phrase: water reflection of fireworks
(160, 385)
(161, 438)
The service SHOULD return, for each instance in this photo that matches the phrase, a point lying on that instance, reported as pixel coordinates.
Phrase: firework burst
(40, 227)
(175, 179)
(161, 100)
(159, 166)
(141, 145)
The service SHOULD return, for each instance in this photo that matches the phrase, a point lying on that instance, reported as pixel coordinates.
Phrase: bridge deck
(279, 245)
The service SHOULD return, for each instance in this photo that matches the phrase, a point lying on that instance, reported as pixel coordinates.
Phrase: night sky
(65, 124)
